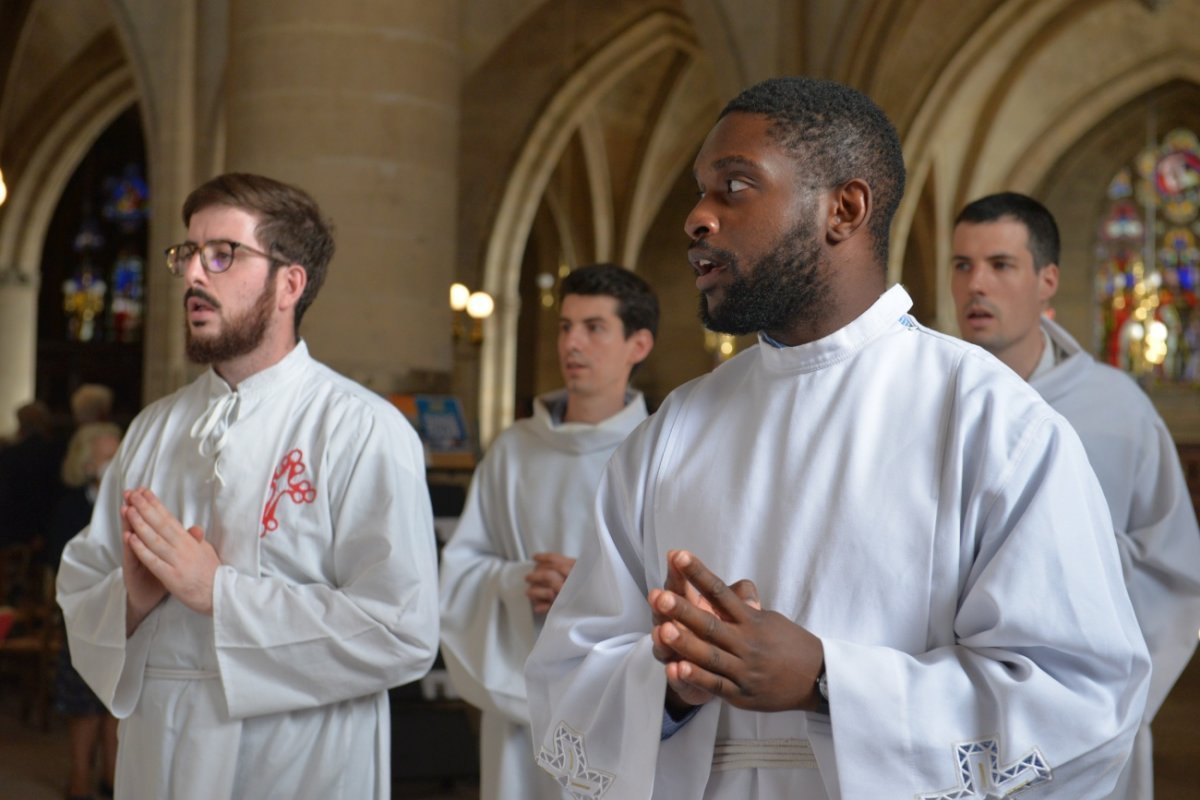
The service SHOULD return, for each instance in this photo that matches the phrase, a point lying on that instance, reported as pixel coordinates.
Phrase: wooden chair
(29, 653)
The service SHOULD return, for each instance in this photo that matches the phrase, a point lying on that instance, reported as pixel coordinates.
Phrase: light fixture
(3, 189)
(459, 294)
(722, 346)
(545, 284)
(477, 306)
(480, 305)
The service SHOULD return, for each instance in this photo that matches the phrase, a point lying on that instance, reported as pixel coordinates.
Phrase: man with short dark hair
(260, 567)
(891, 505)
(528, 510)
(1005, 272)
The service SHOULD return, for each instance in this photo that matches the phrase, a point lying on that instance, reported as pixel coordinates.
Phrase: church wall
(359, 105)
(987, 95)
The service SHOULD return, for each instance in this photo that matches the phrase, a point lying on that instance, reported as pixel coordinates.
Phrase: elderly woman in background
(90, 727)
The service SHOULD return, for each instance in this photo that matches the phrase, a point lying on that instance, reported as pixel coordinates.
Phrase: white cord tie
(212, 428)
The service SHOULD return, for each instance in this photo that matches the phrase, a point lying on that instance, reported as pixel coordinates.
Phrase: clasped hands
(717, 641)
(546, 579)
(160, 556)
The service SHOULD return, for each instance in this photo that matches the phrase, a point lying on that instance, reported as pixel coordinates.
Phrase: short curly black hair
(637, 305)
(836, 134)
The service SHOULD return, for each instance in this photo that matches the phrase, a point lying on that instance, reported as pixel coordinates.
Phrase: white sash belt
(763, 754)
(163, 673)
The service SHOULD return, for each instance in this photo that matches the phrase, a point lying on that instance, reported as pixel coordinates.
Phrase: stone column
(358, 103)
(18, 342)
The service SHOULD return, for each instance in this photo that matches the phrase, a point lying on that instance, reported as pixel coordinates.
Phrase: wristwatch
(822, 692)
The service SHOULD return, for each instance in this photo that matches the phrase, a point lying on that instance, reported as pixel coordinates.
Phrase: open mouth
(976, 313)
(707, 269)
(200, 308)
(977, 317)
(197, 302)
(701, 263)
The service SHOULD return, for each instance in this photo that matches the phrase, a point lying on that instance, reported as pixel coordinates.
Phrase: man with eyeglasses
(260, 567)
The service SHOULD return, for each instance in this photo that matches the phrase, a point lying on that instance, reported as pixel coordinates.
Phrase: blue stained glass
(128, 199)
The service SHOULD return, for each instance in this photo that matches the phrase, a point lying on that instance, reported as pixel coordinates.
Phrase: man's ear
(1047, 282)
(849, 210)
(643, 342)
(291, 285)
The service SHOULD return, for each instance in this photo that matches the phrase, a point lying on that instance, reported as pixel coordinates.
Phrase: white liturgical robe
(534, 492)
(1138, 466)
(917, 506)
(312, 490)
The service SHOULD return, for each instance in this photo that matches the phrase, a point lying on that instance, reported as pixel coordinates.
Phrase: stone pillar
(358, 103)
(18, 342)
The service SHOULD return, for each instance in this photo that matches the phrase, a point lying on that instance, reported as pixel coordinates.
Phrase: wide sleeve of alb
(1045, 678)
(282, 646)
(487, 621)
(1160, 555)
(595, 689)
(91, 592)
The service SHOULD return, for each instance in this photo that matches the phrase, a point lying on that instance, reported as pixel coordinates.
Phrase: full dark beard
(785, 287)
(240, 336)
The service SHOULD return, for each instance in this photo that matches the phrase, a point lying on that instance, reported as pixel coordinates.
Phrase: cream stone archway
(1047, 148)
(27, 216)
(992, 120)
(565, 115)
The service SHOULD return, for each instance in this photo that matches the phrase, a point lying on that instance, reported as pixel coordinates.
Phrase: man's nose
(572, 338)
(977, 279)
(702, 221)
(194, 272)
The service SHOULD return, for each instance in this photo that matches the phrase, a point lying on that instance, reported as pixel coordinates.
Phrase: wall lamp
(476, 306)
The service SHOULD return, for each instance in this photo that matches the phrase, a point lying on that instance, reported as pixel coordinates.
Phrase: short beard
(241, 336)
(784, 288)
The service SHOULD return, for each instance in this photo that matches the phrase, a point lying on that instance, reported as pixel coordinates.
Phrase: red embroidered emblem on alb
(286, 483)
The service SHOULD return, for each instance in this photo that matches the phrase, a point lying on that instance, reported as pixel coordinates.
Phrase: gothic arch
(563, 117)
(30, 206)
(989, 123)
(1047, 148)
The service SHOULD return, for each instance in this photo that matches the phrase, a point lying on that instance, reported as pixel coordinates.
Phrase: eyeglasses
(216, 255)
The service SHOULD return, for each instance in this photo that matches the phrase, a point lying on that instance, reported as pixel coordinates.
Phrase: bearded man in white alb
(260, 567)
(530, 507)
(1005, 272)
(928, 600)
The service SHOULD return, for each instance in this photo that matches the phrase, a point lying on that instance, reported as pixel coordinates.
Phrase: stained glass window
(84, 290)
(1149, 263)
(102, 297)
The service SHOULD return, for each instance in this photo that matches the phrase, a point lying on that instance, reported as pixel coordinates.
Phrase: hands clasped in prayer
(546, 579)
(716, 641)
(161, 556)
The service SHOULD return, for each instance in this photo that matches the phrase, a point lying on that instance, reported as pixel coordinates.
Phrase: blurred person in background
(91, 402)
(91, 729)
(29, 482)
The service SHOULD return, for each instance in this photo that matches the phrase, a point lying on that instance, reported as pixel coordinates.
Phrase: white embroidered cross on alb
(981, 776)
(568, 764)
